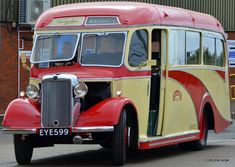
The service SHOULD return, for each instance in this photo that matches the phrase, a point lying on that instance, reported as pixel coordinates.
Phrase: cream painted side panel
(136, 90)
(217, 88)
(179, 115)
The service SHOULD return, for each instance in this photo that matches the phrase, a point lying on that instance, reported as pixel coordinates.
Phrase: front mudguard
(22, 113)
(25, 113)
(105, 113)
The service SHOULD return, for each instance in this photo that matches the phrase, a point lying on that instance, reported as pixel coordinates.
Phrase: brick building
(10, 38)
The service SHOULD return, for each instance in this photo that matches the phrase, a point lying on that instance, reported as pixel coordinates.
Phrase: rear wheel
(201, 143)
(119, 145)
(23, 149)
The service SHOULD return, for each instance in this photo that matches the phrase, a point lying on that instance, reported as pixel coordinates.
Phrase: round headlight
(32, 91)
(80, 90)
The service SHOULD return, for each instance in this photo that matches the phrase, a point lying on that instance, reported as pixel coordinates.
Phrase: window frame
(51, 34)
(216, 36)
(147, 30)
(102, 65)
(200, 45)
(224, 53)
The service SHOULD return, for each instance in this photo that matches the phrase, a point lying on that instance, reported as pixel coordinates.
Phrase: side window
(138, 48)
(193, 48)
(209, 50)
(213, 51)
(177, 47)
(156, 40)
(219, 60)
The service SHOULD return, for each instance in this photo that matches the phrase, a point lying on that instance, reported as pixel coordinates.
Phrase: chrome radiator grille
(56, 102)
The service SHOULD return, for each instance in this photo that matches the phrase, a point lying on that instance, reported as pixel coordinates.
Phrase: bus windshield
(104, 49)
(54, 48)
(94, 49)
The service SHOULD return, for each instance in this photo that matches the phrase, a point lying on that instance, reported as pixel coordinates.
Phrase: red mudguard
(24, 113)
(220, 123)
(104, 113)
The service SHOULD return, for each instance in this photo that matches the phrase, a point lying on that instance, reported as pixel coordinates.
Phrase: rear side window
(219, 53)
(213, 51)
(193, 48)
(209, 50)
(138, 48)
(184, 47)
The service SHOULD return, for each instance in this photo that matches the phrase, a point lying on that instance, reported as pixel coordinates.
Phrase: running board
(155, 142)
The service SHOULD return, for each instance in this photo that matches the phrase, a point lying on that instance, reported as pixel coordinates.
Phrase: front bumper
(73, 130)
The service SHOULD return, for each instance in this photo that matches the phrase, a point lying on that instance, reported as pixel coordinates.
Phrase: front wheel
(201, 143)
(23, 149)
(119, 145)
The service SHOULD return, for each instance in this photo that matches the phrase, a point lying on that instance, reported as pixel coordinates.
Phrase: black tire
(133, 134)
(107, 144)
(23, 149)
(201, 143)
(119, 145)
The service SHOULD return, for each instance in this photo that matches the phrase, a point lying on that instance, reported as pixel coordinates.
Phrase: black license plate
(54, 132)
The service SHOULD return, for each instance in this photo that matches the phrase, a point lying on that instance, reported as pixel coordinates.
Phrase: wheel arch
(208, 109)
(210, 116)
(107, 112)
(132, 120)
(215, 120)
(131, 112)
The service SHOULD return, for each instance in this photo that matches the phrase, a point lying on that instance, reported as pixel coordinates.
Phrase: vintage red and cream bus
(123, 75)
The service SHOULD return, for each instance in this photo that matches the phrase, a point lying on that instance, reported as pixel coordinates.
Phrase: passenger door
(157, 82)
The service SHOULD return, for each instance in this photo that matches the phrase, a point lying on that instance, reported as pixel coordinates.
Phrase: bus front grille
(56, 108)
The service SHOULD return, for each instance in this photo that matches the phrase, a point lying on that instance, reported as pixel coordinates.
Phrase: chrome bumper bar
(19, 131)
(74, 130)
(93, 129)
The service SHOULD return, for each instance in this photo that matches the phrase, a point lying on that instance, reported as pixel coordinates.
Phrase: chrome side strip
(93, 129)
(19, 131)
(169, 137)
(171, 141)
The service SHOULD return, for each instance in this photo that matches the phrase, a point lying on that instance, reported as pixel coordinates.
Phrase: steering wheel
(65, 63)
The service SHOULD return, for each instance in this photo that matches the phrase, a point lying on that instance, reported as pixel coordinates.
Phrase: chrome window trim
(58, 60)
(100, 65)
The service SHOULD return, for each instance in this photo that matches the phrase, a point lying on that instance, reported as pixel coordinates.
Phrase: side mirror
(23, 61)
(153, 62)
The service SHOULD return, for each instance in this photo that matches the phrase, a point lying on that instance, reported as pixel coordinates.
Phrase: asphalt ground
(220, 152)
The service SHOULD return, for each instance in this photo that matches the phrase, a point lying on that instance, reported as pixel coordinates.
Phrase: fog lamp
(80, 90)
(22, 94)
(118, 93)
(32, 91)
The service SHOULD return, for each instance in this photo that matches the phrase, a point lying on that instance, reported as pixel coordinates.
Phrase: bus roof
(132, 13)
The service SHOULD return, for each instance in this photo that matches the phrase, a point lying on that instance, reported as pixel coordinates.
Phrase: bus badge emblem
(177, 96)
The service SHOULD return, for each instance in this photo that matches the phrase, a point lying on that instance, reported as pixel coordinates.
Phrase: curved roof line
(133, 13)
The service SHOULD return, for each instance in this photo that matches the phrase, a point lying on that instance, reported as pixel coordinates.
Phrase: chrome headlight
(80, 90)
(32, 91)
